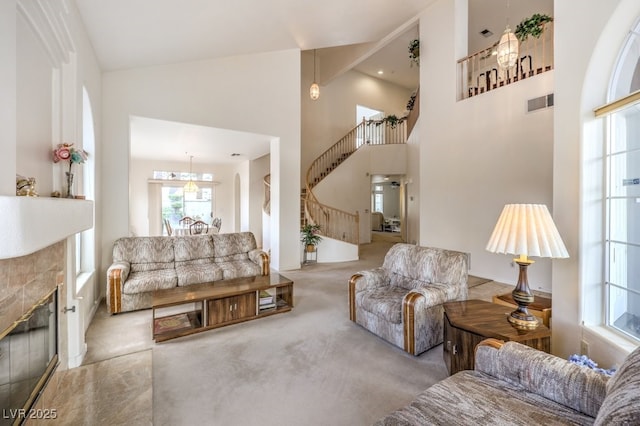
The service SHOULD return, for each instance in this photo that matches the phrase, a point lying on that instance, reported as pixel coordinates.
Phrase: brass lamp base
(528, 322)
(521, 318)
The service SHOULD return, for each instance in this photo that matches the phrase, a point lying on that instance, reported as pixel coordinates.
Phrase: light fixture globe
(314, 91)
(191, 185)
(507, 50)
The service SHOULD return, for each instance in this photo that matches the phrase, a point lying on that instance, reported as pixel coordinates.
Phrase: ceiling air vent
(486, 33)
(545, 101)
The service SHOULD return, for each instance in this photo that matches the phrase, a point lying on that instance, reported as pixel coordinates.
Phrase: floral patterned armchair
(402, 301)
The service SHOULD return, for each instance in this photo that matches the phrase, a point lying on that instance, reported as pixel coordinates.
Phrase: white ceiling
(167, 140)
(135, 33)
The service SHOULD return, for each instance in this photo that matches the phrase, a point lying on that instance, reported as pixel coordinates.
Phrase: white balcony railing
(479, 73)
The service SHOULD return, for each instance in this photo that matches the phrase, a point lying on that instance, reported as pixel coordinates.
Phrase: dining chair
(198, 227)
(167, 225)
(186, 221)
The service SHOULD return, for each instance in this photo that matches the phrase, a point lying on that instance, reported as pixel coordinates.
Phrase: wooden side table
(541, 306)
(469, 322)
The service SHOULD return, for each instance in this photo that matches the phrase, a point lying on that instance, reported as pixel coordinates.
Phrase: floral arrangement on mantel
(67, 152)
(585, 361)
(310, 236)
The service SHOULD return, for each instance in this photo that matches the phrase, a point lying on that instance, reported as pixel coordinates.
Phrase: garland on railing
(391, 120)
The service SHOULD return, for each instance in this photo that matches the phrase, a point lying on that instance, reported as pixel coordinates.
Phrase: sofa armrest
(365, 280)
(538, 372)
(261, 258)
(117, 274)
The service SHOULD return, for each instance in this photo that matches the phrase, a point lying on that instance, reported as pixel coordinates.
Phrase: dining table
(180, 231)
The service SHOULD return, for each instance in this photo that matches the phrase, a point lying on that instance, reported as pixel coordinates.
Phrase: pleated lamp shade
(527, 229)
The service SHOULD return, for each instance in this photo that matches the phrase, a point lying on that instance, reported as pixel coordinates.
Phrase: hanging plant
(532, 26)
(414, 51)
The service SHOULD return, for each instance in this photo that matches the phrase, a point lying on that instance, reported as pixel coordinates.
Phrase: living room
(461, 182)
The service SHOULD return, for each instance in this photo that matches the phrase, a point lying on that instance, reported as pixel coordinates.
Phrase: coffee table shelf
(217, 304)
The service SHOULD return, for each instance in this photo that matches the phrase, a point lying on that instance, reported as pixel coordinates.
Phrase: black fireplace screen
(28, 354)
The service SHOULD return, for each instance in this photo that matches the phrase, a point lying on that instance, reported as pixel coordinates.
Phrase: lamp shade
(526, 229)
(507, 49)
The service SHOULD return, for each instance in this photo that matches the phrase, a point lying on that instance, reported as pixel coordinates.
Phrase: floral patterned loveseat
(142, 265)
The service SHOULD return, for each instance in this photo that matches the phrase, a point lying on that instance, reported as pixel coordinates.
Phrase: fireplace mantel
(28, 224)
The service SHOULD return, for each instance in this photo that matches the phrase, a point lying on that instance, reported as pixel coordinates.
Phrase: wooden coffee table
(469, 322)
(191, 309)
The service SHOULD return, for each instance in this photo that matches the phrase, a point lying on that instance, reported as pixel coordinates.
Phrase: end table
(468, 322)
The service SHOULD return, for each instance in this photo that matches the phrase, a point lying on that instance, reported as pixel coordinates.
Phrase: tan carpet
(474, 281)
(310, 366)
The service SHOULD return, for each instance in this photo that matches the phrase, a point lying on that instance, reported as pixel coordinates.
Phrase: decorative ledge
(29, 224)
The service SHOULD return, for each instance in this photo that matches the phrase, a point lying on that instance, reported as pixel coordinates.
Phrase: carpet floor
(309, 366)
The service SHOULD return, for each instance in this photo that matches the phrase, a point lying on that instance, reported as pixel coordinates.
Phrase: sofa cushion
(145, 253)
(475, 398)
(239, 269)
(620, 406)
(196, 273)
(225, 245)
(194, 247)
(143, 281)
(428, 264)
(384, 302)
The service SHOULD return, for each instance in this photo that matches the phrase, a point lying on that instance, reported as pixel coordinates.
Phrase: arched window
(621, 191)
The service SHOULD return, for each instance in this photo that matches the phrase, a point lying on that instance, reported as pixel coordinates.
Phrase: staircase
(335, 223)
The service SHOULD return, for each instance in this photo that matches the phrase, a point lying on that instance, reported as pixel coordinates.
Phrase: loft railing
(479, 73)
(335, 223)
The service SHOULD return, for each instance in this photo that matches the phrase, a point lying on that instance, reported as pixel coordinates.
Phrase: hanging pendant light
(191, 185)
(508, 48)
(314, 90)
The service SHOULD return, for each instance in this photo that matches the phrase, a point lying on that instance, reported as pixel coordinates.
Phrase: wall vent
(486, 33)
(545, 101)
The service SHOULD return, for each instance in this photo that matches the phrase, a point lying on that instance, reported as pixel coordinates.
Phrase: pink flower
(66, 152)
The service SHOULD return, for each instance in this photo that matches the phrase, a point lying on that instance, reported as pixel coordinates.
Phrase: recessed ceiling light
(380, 72)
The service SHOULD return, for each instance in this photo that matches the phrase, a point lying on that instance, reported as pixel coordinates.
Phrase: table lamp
(525, 230)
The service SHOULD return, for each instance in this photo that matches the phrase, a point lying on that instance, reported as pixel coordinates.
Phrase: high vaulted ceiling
(134, 33)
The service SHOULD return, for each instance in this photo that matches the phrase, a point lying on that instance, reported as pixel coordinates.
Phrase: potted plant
(532, 26)
(310, 236)
(414, 51)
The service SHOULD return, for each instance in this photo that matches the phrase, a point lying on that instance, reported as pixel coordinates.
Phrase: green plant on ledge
(414, 51)
(532, 26)
(310, 236)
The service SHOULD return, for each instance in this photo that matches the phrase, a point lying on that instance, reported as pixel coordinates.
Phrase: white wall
(255, 93)
(8, 54)
(478, 154)
(582, 79)
(333, 115)
(259, 168)
(412, 178)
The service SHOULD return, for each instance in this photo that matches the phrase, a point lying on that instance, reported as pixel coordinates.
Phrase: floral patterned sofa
(142, 265)
(513, 384)
(402, 300)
